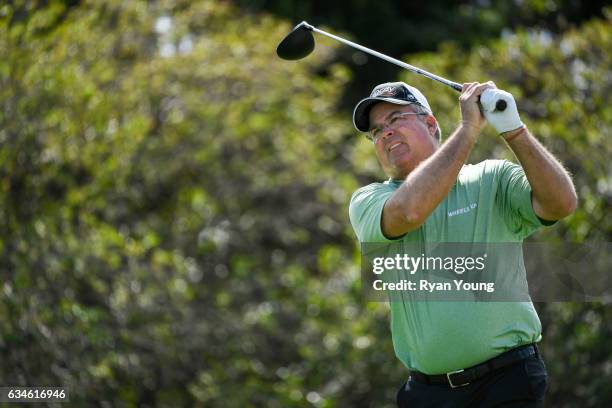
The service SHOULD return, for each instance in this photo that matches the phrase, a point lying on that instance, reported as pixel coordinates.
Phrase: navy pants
(522, 384)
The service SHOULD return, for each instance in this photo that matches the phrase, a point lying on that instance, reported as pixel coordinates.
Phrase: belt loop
(537, 352)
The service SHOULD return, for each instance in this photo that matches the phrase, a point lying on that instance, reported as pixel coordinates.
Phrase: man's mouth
(394, 146)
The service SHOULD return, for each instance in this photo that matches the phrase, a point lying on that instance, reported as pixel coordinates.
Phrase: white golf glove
(502, 121)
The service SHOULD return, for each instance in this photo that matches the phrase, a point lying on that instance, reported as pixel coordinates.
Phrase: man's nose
(387, 131)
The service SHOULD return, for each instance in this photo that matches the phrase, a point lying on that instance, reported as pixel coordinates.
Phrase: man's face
(404, 144)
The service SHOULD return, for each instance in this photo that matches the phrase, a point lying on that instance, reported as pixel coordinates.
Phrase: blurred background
(174, 198)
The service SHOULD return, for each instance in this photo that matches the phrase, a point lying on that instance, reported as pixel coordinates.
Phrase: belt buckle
(451, 382)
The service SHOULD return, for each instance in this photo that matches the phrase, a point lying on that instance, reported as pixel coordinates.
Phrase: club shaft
(454, 85)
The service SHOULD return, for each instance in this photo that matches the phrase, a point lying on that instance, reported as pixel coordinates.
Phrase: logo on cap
(389, 91)
(395, 92)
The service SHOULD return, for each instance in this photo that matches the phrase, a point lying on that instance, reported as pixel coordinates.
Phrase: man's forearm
(554, 196)
(426, 186)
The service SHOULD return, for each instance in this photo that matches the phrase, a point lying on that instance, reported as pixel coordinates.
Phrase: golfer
(459, 354)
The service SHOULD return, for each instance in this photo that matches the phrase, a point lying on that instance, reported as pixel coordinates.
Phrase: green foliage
(174, 226)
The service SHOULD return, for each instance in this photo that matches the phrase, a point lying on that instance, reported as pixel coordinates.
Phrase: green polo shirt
(490, 202)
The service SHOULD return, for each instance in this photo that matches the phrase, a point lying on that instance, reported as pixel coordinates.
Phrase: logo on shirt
(463, 210)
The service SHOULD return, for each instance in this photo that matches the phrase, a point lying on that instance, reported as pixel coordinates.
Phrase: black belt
(460, 378)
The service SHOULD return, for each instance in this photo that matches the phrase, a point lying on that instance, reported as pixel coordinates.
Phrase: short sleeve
(365, 212)
(514, 197)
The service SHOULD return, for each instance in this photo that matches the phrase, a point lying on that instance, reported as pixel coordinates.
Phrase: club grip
(457, 87)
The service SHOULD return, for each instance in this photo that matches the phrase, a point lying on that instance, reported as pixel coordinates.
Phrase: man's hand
(503, 121)
(471, 116)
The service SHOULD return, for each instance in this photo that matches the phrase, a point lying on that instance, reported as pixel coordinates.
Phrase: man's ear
(432, 125)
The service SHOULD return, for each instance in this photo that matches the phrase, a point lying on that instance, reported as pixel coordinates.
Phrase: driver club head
(298, 43)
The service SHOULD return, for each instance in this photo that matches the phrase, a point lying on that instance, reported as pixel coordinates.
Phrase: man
(459, 354)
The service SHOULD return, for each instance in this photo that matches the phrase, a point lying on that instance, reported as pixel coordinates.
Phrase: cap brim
(361, 114)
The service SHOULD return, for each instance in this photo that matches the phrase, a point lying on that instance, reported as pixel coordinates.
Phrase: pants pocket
(399, 395)
(537, 376)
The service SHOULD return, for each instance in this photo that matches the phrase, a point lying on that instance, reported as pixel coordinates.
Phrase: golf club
(299, 43)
